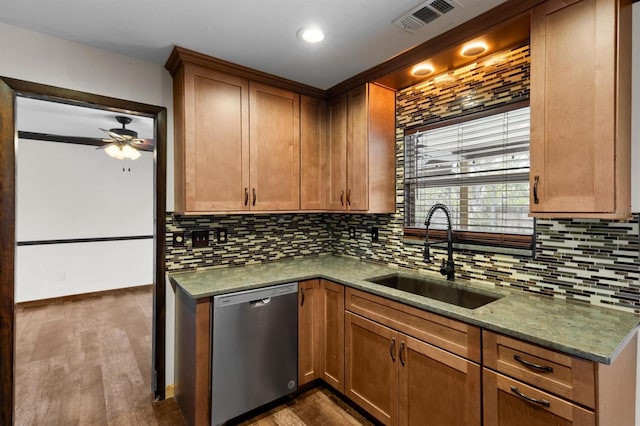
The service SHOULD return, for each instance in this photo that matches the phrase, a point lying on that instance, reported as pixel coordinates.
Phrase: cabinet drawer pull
(246, 196)
(536, 179)
(301, 296)
(342, 197)
(348, 197)
(254, 196)
(392, 349)
(542, 368)
(401, 354)
(542, 402)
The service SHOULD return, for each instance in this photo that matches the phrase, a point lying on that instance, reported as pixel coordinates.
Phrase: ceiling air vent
(423, 14)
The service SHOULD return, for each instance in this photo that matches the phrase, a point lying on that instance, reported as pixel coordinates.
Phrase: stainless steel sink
(434, 290)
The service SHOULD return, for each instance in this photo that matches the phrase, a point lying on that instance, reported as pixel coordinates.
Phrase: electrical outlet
(352, 232)
(178, 239)
(221, 235)
(200, 238)
(374, 234)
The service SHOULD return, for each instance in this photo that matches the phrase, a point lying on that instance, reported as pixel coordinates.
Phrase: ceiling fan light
(129, 152)
(114, 151)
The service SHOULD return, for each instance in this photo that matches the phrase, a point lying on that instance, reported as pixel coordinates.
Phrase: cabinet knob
(401, 354)
(342, 197)
(253, 203)
(246, 196)
(349, 197)
(536, 179)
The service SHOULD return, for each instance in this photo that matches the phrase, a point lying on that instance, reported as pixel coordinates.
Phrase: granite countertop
(590, 332)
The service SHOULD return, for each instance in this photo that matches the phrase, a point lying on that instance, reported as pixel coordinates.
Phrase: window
(479, 168)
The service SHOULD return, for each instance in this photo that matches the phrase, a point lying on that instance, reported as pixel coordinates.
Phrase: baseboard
(170, 391)
(83, 296)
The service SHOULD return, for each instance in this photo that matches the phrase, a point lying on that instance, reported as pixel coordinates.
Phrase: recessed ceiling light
(474, 49)
(422, 70)
(310, 35)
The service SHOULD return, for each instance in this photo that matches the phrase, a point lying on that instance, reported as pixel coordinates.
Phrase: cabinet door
(371, 367)
(274, 148)
(357, 149)
(309, 331)
(437, 387)
(573, 110)
(337, 154)
(332, 320)
(312, 154)
(215, 141)
(508, 402)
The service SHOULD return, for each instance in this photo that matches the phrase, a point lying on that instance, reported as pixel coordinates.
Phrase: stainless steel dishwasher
(255, 349)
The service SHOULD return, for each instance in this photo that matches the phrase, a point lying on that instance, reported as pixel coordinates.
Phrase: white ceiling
(259, 34)
(40, 116)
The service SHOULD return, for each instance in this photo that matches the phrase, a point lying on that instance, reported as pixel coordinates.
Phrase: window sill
(475, 248)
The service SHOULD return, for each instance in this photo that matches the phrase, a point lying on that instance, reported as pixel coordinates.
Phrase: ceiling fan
(123, 143)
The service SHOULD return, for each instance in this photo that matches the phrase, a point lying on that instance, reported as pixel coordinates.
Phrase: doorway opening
(10, 90)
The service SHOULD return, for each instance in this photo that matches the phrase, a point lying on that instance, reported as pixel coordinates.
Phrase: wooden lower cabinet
(332, 334)
(321, 332)
(309, 331)
(508, 402)
(401, 380)
(371, 373)
(437, 387)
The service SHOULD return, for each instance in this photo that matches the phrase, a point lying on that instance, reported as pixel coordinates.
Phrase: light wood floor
(88, 362)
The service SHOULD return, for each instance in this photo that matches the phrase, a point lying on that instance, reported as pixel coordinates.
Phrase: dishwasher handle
(259, 302)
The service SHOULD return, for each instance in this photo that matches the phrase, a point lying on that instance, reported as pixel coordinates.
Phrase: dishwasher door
(255, 349)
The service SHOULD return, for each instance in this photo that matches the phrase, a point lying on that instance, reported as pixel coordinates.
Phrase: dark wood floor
(88, 362)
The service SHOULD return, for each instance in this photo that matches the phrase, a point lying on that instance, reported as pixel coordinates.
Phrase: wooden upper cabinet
(312, 153)
(274, 148)
(361, 158)
(337, 153)
(580, 109)
(211, 140)
(357, 150)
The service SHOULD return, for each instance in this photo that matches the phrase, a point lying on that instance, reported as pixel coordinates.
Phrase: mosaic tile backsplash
(592, 261)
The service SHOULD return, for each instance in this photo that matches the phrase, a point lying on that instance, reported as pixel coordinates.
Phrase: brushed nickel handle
(246, 196)
(542, 402)
(536, 179)
(349, 197)
(543, 368)
(254, 196)
(401, 355)
(342, 197)
(392, 349)
(302, 296)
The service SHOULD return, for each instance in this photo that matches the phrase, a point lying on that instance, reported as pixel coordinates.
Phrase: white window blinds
(478, 168)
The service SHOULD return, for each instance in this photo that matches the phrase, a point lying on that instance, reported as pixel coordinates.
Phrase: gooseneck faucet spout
(447, 268)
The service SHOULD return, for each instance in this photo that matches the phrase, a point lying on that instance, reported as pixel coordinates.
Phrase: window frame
(485, 239)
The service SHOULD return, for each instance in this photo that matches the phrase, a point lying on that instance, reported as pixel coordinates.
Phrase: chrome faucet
(447, 268)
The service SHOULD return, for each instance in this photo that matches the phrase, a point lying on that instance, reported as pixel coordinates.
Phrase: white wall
(31, 56)
(68, 191)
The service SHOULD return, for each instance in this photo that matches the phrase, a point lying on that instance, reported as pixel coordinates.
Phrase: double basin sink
(435, 290)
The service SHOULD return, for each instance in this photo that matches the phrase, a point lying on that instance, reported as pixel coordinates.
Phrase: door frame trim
(9, 89)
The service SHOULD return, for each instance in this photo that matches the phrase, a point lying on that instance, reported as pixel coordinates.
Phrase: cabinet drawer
(508, 402)
(451, 335)
(564, 375)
